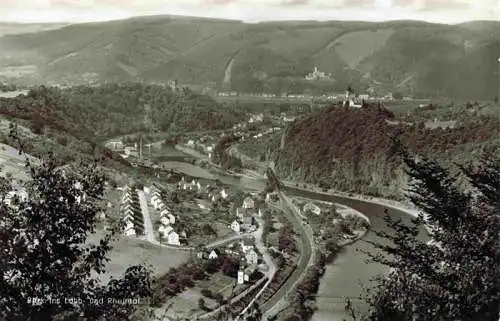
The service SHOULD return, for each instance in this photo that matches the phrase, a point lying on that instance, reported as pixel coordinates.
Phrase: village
(220, 227)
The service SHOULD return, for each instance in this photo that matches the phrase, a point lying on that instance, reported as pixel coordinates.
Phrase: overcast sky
(445, 11)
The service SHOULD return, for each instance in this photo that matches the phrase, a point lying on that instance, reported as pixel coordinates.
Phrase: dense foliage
(115, 109)
(183, 277)
(47, 268)
(350, 148)
(456, 276)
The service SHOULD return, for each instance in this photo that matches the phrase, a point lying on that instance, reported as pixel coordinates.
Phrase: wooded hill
(419, 58)
(350, 149)
(79, 119)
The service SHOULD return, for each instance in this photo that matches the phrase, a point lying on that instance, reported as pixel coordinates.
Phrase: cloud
(252, 10)
(446, 5)
(295, 2)
(359, 3)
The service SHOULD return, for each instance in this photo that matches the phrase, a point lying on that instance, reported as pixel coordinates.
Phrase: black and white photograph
(249, 160)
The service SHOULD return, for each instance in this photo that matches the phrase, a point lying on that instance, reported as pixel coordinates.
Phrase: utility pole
(140, 149)
(498, 78)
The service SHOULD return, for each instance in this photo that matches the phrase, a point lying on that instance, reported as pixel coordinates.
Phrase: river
(350, 272)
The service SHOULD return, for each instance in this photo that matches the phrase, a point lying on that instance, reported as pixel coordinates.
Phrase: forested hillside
(73, 122)
(350, 149)
(415, 58)
(115, 109)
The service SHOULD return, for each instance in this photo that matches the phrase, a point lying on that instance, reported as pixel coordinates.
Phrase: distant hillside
(424, 59)
(111, 110)
(350, 149)
(11, 28)
(74, 122)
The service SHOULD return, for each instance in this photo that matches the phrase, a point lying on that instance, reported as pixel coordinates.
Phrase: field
(128, 251)
(13, 163)
(186, 303)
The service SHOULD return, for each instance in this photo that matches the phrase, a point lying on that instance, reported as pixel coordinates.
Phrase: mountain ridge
(270, 57)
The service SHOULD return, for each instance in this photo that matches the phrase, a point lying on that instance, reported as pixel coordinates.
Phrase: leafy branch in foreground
(455, 275)
(48, 266)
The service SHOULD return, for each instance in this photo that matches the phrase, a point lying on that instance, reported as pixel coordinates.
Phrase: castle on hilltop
(318, 75)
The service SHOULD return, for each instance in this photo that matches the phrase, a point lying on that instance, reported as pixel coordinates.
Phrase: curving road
(306, 259)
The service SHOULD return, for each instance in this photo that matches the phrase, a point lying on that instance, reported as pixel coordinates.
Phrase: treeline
(350, 149)
(7, 87)
(302, 308)
(116, 109)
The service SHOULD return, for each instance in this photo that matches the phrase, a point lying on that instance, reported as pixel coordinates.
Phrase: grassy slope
(196, 51)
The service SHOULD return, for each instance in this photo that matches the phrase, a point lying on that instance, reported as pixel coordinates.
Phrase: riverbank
(303, 303)
(397, 205)
(350, 273)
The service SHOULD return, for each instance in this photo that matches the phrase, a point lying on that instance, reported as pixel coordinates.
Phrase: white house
(114, 144)
(154, 199)
(190, 143)
(259, 213)
(171, 218)
(146, 190)
(158, 204)
(128, 225)
(126, 198)
(313, 208)
(127, 206)
(164, 212)
(130, 232)
(128, 212)
(173, 238)
(252, 257)
(201, 206)
(212, 255)
(128, 218)
(235, 226)
(198, 186)
(223, 194)
(239, 214)
(241, 277)
(248, 203)
(245, 248)
(164, 220)
(168, 229)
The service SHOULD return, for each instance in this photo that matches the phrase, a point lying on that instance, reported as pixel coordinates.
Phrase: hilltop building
(318, 75)
(350, 99)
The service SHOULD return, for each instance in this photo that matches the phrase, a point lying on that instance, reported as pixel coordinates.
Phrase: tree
(230, 266)
(398, 95)
(47, 267)
(202, 304)
(457, 275)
